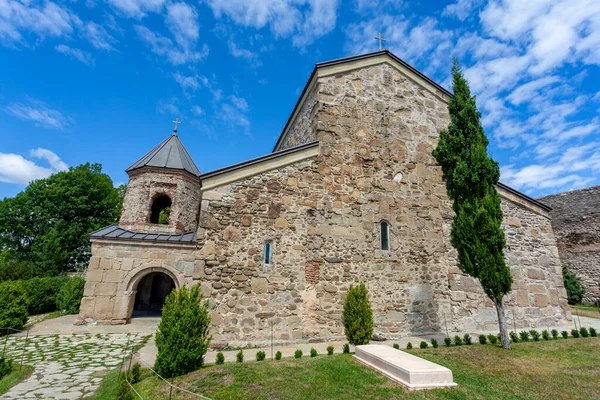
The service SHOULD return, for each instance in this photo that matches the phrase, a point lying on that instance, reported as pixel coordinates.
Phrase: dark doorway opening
(152, 292)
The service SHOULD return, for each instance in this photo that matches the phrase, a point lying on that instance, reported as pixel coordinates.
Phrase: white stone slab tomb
(411, 371)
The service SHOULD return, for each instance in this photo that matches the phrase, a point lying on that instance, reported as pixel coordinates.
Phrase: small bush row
(261, 355)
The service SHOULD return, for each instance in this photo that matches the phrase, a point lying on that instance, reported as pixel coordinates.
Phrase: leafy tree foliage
(47, 224)
(182, 338)
(471, 176)
(68, 299)
(575, 291)
(357, 316)
(42, 293)
(13, 305)
(163, 217)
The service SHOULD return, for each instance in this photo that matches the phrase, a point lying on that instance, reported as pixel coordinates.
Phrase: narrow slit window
(385, 235)
(268, 253)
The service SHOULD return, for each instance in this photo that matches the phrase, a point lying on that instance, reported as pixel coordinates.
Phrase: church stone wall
(302, 128)
(576, 222)
(146, 184)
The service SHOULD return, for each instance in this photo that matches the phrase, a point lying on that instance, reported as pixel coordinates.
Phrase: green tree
(182, 337)
(69, 297)
(471, 176)
(48, 223)
(575, 291)
(357, 316)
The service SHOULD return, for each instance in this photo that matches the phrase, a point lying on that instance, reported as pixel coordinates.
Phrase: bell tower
(163, 192)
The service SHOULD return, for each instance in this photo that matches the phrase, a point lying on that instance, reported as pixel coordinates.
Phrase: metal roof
(170, 153)
(118, 233)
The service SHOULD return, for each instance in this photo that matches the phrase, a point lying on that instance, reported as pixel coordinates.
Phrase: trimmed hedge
(69, 297)
(13, 305)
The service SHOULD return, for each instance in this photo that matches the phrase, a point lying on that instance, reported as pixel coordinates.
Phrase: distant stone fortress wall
(320, 207)
(576, 223)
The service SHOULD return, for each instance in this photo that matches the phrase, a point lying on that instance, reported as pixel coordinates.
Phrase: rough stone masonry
(275, 242)
(576, 222)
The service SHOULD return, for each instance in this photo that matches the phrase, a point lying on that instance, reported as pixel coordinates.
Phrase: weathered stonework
(321, 214)
(576, 222)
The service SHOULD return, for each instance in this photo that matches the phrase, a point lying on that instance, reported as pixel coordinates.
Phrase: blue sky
(102, 81)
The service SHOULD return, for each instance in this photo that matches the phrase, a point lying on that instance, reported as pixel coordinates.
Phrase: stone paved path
(66, 366)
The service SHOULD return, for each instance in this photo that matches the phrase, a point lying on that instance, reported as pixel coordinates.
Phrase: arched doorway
(152, 290)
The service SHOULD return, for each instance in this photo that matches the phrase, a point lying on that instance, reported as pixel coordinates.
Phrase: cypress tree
(471, 177)
(357, 316)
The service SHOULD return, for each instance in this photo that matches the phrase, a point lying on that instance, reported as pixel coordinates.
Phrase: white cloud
(40, 114)
(233, 116)
(15, 168)
(164, 47)
(181, 20)
(77, 54)
(47, 19)
(461, 9)
(188, 82)
(137, 8)
(240, 103)
(98, 36)
(197, 110)
(303, 20)
(529, 91)
(168, 107)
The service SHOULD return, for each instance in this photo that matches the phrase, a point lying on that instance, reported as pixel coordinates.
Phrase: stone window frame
(388, 229)
(155, 196)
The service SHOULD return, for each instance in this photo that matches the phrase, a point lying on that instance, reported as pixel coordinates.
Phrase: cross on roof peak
(176, 122)
(381, 40)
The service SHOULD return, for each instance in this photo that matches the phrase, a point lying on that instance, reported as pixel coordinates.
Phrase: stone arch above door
(133, 277)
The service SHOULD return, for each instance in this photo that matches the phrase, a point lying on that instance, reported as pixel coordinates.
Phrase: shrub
(220, 358)
(298, 354)
(260, 356)
(554, 333)
(482, 339)
(12, 270)
(493, 339)
(135, 373)
(278, 355)
(42, 294)
(423, 345)
(467, 339)
(69, 296)
(524, 335)
(182, 338)
(546, 334)
(396, 346)
(346, 348)
(329, 350)
(575, 333)
(535, 335)
(434, 343)
(447, 341)
(240, 356)
(123, 389)
(6, 366)
(584, 332)
(313, 352)
(13, 305)
(565, 334)
(357, 316)
(573, 286)
(514, 337)
(409, 346)
(458, 341)
(593, 332)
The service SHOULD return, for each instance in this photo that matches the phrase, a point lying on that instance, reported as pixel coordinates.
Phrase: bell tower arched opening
(160, 210)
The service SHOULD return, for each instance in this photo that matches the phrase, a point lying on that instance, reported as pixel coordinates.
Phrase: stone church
(351, 193)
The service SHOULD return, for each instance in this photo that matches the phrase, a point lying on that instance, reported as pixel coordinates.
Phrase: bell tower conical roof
(170, 153)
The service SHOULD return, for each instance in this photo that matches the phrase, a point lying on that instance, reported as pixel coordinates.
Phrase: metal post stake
(24, 346)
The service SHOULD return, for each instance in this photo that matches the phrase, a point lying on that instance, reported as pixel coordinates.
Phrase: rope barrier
(174, 387)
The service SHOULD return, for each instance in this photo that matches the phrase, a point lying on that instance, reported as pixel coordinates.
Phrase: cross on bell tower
(176, 122)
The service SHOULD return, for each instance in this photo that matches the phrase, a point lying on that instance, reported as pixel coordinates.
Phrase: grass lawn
(557, 369)
(585, 310)
(14, 377)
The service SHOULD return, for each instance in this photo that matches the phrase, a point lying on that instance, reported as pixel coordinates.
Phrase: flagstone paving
(66, 366)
